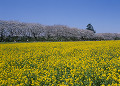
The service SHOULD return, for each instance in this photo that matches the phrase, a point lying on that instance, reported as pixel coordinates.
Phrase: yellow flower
(60, 63)
(102, 85)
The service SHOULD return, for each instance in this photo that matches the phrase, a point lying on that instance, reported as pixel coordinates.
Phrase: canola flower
(84, 63)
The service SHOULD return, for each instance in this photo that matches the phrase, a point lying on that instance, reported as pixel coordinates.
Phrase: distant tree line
(13, 31)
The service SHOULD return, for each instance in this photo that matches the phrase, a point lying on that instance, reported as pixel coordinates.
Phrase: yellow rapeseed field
(84, 63)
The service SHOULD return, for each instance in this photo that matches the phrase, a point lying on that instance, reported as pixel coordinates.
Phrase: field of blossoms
(80, 63)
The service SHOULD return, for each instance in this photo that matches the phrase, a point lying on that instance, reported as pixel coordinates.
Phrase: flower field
(84, 63)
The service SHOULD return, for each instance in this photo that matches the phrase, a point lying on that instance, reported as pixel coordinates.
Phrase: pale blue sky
(104, 15)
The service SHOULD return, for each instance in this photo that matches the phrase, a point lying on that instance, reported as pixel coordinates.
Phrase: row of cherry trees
(17, 31)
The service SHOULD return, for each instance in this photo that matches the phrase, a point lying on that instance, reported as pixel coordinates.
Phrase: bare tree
(1, 33)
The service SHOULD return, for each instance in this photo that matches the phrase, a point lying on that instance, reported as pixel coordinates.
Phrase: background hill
(18, 31)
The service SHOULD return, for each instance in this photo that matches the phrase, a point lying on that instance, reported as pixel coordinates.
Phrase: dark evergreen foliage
(90, 27)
